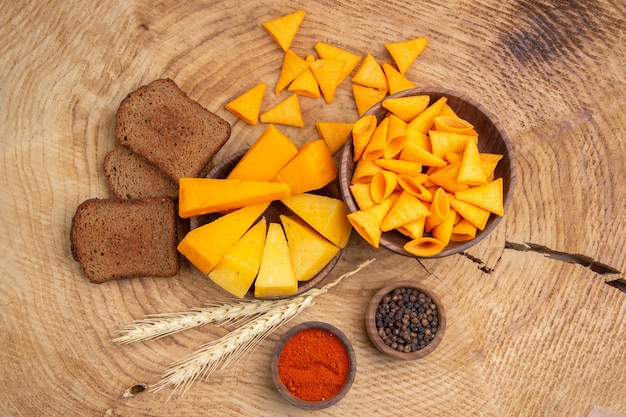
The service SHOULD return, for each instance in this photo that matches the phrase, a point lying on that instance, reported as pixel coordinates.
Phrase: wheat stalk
(226, 350)
(160, 325)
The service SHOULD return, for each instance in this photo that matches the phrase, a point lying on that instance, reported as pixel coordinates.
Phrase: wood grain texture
(529, 333)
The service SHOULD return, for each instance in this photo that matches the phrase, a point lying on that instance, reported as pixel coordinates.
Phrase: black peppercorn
(407, 319)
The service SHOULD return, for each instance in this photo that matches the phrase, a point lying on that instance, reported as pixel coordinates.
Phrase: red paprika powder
(314, 365)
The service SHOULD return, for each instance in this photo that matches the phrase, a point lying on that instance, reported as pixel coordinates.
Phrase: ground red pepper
(314, 365)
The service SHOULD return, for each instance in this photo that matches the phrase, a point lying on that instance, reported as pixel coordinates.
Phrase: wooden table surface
(536, 318)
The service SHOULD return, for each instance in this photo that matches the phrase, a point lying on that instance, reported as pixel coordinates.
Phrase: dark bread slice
(116, 238)
(160, 122)
(130, 175)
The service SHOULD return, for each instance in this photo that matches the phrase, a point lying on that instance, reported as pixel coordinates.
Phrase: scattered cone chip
(404, 53)
(287, 112)
(370, 74)
(283, 29)
(395, 80)
(328, 73)
(326, 51)
(366, 97)
(248, 105)
(335, 134)
(292, 67)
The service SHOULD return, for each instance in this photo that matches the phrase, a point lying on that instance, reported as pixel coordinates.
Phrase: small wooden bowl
(491, 138)
(272, 214)
(280, 386)
(372, 330)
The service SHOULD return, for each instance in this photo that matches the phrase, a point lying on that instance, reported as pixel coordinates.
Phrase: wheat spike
(160, 325)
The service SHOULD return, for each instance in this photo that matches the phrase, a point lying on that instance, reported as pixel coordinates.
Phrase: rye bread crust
(161, 123)
(117, 238)
(130, 175)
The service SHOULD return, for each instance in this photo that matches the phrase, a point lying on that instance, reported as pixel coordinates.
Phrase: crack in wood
(481, 265)
(576, 258)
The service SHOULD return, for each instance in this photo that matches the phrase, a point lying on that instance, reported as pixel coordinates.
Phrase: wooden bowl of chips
(272, 214)
(492, 139)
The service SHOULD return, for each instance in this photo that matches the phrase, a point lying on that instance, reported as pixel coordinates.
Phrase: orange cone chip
(335, 134)
(367, 222)
(444, 142)
(489, 196)
(404, 53)
(413, 185)
(248, 105)
(396, 136)
(412, 151)
(362, 195)
(425, 246)
(447, 111)
(283, 29)
(406, 209)
(443, 231)
(454, 124)
(376, 148)
(413, 230)
(395, 81)
(286, 113)
(361, 134)
(446, 178)
(328, 73)
(305, 84)
(399, 166)
(489, 162)
(471, 168)
(407, 108)
(439, 209)
(370, 74)
(474, 214)
(424, 121)
(452, 157)
(383, 184)
(326, 51)
(364, 171)
(463, 231)
(292, 67)
(366, 97)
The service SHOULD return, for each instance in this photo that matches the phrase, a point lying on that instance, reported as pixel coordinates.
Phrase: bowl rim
(372, 331)
(346, 161)
(313, 405)
(303, 286)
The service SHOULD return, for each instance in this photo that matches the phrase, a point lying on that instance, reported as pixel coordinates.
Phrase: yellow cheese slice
(205, 246)
(310, 169)
(267, 155)
(327, 215)
(198, 196)
(276, 277)
(310, 252)
(238, 268)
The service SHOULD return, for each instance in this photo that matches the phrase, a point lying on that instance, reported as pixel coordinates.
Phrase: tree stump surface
(536, 316)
